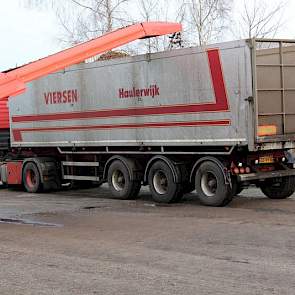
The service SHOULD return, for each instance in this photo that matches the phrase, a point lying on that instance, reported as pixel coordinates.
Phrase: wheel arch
(172, 165)
(210, 159)
(39, 162)
(131, 165)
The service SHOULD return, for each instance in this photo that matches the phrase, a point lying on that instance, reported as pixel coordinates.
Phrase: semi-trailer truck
(210, 119)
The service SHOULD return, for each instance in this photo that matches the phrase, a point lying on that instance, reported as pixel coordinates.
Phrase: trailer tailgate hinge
(249, 99)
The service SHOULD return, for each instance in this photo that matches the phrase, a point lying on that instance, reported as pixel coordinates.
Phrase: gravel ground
(84, 242)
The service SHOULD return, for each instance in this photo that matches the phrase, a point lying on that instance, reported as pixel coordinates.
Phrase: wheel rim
(118, 180)
(160, 182)
(209, 184)
(31, 178)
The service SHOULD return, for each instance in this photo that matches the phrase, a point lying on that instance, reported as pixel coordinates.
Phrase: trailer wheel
(32, 178)
(120, 183)
(162, 185)
(278, 188)
(211, 187)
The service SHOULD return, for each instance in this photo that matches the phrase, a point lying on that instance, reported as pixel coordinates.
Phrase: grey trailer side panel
(164, 99)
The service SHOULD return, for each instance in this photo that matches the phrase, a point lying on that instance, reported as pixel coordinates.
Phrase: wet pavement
(85, 242)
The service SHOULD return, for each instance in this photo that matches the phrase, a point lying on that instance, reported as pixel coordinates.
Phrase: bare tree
(85, 19)
(205, 19)
(155, 10)
(261, 18)
(90, 18)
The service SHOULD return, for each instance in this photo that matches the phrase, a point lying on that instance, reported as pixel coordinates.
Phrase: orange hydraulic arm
(13, 82)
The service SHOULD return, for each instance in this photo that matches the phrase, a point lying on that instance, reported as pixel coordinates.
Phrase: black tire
(32, 178)
(119, 182)
(162, 185)
(278, 188)
(211, 187)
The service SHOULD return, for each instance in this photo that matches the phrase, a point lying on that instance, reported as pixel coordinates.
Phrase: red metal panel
(14, 172)
(4, 115)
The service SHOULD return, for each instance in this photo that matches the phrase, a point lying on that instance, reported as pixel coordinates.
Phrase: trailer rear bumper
(266, 175)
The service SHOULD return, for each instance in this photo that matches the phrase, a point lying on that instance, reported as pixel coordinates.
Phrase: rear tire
(211, 187)
(162, 185)
(32, 178)
(278, 188)
(120, 183)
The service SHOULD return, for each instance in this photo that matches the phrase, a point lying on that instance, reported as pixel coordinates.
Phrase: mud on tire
(278, 188)
(162, 185)
(211, 187)
(32, 178)
(120, 183)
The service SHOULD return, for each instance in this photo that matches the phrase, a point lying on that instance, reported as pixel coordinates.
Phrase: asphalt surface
(85, 242)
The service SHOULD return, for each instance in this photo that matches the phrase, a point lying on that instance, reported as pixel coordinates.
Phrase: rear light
(267, 130)
(242, 170)
(248, 170)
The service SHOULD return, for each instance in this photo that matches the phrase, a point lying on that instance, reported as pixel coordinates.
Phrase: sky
(27, 35)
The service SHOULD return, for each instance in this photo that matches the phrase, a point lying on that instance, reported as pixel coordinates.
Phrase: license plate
(266, 160)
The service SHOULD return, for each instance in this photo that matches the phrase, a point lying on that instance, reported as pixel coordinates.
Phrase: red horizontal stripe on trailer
(220, 104)
(164, 110)
(17, 133)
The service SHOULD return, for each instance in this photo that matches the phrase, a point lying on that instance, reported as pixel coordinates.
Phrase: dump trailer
(212, 119)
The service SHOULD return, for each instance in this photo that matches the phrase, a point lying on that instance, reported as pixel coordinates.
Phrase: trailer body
(187, 97)
(190, 97)
(215, 118)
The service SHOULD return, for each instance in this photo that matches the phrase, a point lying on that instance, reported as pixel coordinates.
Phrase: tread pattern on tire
(224, 194)
(38, 188)
(281, 192)
(133, 188)
(175, 192)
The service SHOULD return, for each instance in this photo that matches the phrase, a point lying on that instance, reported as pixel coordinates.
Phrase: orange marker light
(267, 130)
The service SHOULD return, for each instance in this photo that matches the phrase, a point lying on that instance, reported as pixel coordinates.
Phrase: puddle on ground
(28, 222)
